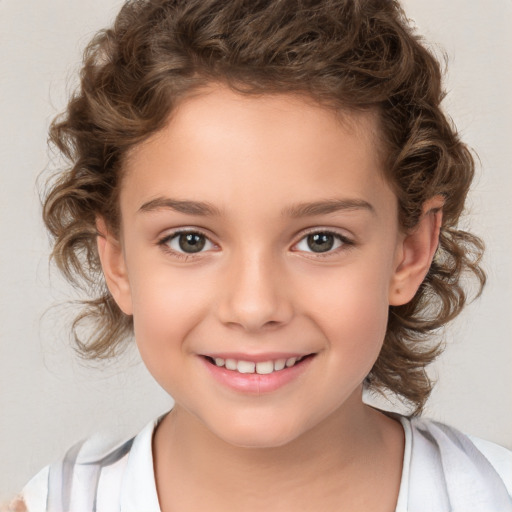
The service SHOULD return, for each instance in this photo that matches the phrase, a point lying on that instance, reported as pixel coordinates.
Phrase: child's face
(252, 181)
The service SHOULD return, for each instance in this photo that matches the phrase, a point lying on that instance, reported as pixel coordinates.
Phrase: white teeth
(291, 361)
(231, 364)
(279, 364)
(261, 367)
(245, 367)
(264, 367)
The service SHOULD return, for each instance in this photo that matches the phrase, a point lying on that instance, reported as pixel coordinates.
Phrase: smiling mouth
(260, 367)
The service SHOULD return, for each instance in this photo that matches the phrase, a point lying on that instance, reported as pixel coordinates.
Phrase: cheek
(166, 306)
(165, 310)
(351, 307)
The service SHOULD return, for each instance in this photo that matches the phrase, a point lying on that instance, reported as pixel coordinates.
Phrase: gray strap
(107, 461)
(60, 481)
(61, 474)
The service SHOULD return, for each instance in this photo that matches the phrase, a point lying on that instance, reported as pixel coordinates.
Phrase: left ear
(415, 253)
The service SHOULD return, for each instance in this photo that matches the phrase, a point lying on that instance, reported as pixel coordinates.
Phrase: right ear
(114, 266)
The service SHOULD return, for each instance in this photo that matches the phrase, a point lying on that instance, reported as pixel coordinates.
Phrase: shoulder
(448, 467)
(77, 475)
(35, 493)
(499, 457)
(92, 472)
(451, 445)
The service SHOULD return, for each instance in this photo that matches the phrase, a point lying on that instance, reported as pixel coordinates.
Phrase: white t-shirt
(443, 470)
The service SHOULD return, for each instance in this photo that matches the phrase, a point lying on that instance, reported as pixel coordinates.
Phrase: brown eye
(321, 242)
(188, 242)
(191, 242)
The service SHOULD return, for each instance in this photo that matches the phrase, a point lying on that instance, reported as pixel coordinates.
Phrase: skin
(257, 287)
(16, 505)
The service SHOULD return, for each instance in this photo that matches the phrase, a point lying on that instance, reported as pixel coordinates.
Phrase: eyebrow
(295, 211)
(327, 206)
(187, 207)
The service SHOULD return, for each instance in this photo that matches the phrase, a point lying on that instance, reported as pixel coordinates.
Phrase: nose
(256, 295)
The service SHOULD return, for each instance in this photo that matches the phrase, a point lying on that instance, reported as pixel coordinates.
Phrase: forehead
(220, 146)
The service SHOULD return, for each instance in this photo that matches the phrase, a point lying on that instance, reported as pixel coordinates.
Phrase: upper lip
(256, 358)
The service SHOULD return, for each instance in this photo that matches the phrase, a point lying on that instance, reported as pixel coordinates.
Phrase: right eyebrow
(327, 206)
(187, 207)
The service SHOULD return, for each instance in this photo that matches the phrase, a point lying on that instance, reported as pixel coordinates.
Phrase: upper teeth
(261, 367)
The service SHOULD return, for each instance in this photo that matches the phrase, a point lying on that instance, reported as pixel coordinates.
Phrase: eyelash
(346, 243)
(164, 243)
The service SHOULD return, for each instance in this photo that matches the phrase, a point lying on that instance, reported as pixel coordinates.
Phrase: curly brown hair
(346, 54)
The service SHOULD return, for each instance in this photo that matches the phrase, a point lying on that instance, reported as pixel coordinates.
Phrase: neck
(333, 454)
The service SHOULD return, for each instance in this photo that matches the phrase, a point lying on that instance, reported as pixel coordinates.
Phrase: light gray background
(49, 400)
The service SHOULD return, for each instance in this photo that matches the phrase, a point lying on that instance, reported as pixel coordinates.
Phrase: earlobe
(415, 253)
(114, 266)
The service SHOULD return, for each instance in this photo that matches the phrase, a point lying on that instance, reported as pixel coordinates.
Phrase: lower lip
(255, 383)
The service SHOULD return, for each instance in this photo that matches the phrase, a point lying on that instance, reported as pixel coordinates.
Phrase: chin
(258, 434)
(259, 439)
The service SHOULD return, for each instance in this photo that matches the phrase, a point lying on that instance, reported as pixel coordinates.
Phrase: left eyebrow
(327, 206)
(187, 207)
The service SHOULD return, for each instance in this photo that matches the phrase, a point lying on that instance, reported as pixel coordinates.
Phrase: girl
(268, 195)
